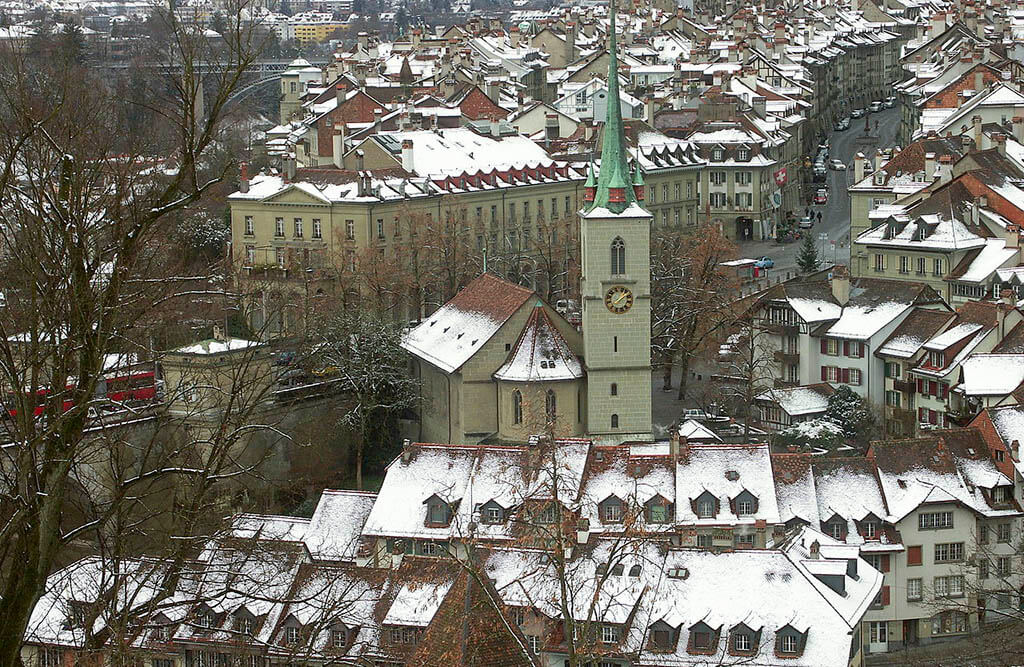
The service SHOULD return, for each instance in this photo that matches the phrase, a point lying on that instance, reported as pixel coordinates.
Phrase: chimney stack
(551, 127)
(840, 284)
(495, 127)
(408, 162)
(338, 144)
(243, 177)
(859, 161)
(929, 166)
(976, 131)
(1018, 129)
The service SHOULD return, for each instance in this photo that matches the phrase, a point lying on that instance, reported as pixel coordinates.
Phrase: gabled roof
(541, 353)
(450, 336)
(797, 401)
(910, 336)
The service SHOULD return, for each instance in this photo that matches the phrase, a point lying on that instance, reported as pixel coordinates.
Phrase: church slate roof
(540, 354)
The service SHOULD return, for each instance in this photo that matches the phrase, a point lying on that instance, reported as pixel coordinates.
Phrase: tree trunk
(666, 374)
(359, 465)
(684, 373)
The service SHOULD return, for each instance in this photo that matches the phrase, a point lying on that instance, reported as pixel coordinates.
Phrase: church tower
(615, 240)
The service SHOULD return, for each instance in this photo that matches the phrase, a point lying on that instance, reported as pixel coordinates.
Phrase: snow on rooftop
(416, 604)
(953, 335)
(815, 310)
(992, 374)
(540, 354)
(337, 522)
(940, 234)
(213, 346)
(904, 346)
(457, 150)
(797, 401)
(862, 321)
(725, 471)
(269, 527)
(694, 431)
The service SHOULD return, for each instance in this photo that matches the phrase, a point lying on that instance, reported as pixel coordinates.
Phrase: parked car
(821, 196)
(566, 306)
(876, 106)
(889, 102)
(820, 174)
(858, 113)
(764, 263)
(806, 222)
(837, 165)
(842, 124)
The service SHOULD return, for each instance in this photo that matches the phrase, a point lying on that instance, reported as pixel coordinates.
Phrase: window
(318, 230)
(830, 346)
(554, 208)
(913, 590)
(836, 529)
(718, 178)
(893, 370)
(49, 657)
(654, 194)
(517, 407)
(870, 529)
(612, 512)
(983, 534)
(246, 626)
(892, 398)
(949, 622)
(279, 227)
(661, 639)
(1003, 533)
(250, 255)
(492, 515)
(534, 642)
(951, 586)
(701, 640)
(350, 230)
(1003, 565)
(615, 421)
(744, 507)
(705, 508)
(879, 263)
(983, 568)
(788, 644)
(936, 267)
(854, 376)
(404, 636)
(949, 552)
(279, 257)
(609, 634)
(743, 154)
(744, 540)
(934, 520)
(550, 405)
(716, 155)
(717, 199)
(904, 264)
(339, 638)
(438, 513)
(743, 178)
(704, 541)
(921, 263)
(428, 548)
(618, 256)
(547, 515)
(741, 642)
(659, 513)
(249, 231)
(291, 634)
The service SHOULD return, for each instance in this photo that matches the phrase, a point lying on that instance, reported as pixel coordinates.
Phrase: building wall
(891, 266)
(604, 332)
(570, 409)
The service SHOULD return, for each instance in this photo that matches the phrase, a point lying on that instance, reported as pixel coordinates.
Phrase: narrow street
(835, 215)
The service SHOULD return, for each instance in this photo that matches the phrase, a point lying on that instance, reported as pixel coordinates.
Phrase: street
(835, 215)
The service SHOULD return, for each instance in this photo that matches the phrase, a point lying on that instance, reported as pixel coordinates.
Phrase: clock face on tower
(618, 299)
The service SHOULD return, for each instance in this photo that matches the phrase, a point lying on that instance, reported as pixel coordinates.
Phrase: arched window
(615, 389)
(618, 256)
(549, 405)
(615, 421)
(517, 407)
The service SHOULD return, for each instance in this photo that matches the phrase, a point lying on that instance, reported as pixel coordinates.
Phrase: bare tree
(749, 370)
(84, 202)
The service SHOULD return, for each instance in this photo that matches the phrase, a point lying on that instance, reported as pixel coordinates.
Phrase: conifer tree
(808, 260)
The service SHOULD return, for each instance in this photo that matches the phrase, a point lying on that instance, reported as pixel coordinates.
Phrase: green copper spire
(614, 181)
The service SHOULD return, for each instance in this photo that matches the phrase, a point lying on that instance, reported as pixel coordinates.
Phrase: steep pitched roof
(453, 334)
(913, 332)
(541, 353)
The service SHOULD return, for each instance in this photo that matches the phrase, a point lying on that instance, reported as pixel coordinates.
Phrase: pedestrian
(807, 212)
(819, 216)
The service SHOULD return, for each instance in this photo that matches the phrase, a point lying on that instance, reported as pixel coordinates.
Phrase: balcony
(786, 357)
(906, 386)
(780, 328)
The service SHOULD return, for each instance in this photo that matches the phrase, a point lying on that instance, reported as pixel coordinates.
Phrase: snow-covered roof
(416, 604)
(215, 346)
(725, 471)
(953, 335)
(992, 374)
(457, 330)
(541, 353)
(694, 431)
(456, 151)
(337, 522)
(799, 401)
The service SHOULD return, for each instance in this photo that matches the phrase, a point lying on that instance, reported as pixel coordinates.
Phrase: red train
(117, 387)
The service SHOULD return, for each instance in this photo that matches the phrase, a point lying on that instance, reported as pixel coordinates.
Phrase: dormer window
(492, 513)
(339, 638)
(743, 640)
(706, 506)
(743, 154)
(76, 614)
(662, 637)
(835, 527)
(717, 154)
(789, 642)
(611, 510)
(703, 639)
(745, 504)
(610, 634)
(659, 510)
(291, 634)
(936, 359)
(439, 512)
(879, 177)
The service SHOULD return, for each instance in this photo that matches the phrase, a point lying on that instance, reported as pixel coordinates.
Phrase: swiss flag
(780, 177)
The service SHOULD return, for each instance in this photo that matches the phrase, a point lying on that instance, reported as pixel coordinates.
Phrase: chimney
(979, 81)
(551, 127)
(760, 105)
(840, 284)
(338, 144)
(673, 445)
(407, 156)
(570, 41)
(1018, 129)
(1000, 140)
(289, 166)
(339, 92)
(929, 166)
(513, 36)
(859, 162)
(938, 24)
(406, 451)
(815, 549)
(649, 109)
(780, 30)
(495, 127)
(218, 332)
(359, 160)
(364, 41)
(493, 90)
(243, 177)
(976, 131)
(378, 113)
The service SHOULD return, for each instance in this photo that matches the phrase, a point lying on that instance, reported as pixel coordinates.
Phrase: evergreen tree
(847, 410)
(219, 24)
(72, 44)
(808, 260)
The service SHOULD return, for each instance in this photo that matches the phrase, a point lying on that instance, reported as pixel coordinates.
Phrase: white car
(837, 165)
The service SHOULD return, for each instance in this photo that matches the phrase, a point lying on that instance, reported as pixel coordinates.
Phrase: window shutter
(824, 373)
(885, 596)
(933, 417)
(846, 375)
(920, 386)
(945, 390)
(884, 563)
(914, 555)
(846, 348)
(932, 388)
(824, 347)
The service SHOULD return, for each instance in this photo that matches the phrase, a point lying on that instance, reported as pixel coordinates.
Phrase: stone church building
(497, 363)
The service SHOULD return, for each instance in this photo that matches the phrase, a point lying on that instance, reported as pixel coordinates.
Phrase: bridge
(266, 66)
